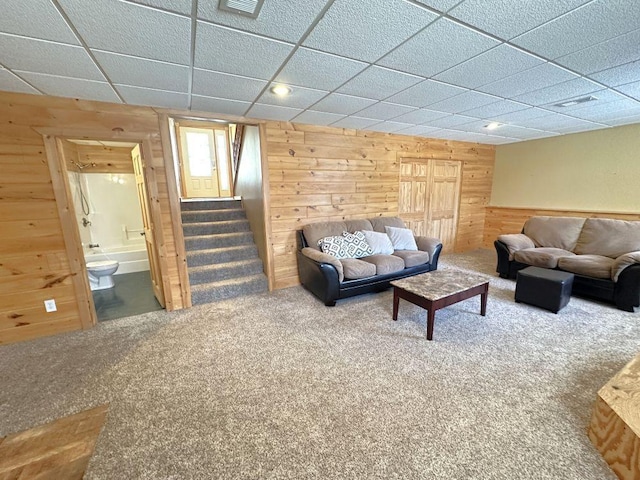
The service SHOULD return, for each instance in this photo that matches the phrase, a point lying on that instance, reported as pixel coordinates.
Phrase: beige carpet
(279, 386)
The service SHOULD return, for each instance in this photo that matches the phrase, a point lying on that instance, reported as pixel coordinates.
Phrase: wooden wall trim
(72, 242)
(266, 190)
(174, 209)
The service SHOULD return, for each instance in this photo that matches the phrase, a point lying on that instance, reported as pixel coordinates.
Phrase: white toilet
(101, 274)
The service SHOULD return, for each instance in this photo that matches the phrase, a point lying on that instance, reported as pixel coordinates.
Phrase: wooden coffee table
(438, 289)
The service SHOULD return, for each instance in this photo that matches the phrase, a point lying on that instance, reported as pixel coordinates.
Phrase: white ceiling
(433, 68)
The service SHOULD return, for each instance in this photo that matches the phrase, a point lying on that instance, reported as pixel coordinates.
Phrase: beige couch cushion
(589, 265)
(378, 223)
(608, 237)
(319, 256)
(355, 225)
(355, 268)
(622, 262)
(412, 257)
(554, 232)
(317, 231)
(385, 263)
(515, 242)
(541, 257)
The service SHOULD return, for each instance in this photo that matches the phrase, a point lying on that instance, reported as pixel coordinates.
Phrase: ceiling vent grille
(575, 101)
(248, 8)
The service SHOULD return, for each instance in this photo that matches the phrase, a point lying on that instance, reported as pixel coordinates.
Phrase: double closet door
(430, 197)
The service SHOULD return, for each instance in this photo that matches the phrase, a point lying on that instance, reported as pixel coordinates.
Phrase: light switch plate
(50, 305)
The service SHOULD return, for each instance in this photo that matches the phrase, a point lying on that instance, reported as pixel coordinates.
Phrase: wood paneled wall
(323, 174)
(500, 220)
(106, 159)
(33, 262)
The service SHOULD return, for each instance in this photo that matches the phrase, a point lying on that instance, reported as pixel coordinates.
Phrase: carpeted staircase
(222, 259)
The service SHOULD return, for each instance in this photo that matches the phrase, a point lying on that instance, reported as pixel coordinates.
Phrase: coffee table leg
(483, 302)
(431, 316)
(396, 301)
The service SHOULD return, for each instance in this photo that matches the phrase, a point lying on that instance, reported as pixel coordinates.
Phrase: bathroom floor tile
(131, 295)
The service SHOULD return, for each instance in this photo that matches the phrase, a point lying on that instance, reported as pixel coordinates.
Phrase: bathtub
(132, 258)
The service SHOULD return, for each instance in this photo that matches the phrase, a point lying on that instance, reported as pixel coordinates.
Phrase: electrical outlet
(50, 305)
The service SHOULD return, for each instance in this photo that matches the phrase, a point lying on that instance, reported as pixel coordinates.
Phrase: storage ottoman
(544, 288)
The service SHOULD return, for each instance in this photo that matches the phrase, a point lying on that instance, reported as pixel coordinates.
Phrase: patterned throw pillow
(357, 246)
(334, 246)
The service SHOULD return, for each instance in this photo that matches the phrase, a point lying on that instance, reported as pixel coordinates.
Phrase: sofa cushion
(555, 232)
(380, 242)
(401, 238)
(354, 268)
(596, 266)
(608, 237)
(378, 223)
(622, 262)
(385, 263)
(358, 224)
(318, 256)
(412, 258)
(356, 245)
(316, 231)
(541, 257)
(515, 242)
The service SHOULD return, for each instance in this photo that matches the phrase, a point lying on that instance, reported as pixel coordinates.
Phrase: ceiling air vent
(575, 101)
(248, 8)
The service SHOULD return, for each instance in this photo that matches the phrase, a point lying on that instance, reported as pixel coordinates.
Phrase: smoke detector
(248, 8)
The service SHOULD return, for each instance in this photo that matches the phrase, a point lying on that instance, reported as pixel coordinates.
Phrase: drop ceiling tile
(367, 29)
(432, 50)
(491, 110)
(358, 123)
(222, 85)
(477, 126)
(418, 130)
(612, 77)
(384, 111)
(285, 19)
(226, 50)
(420, 116)
(141, 72)
(132, 29)
(37, 19)
(379, 83)
(440, 5)
(342, 104)
(608, 111)
(582, 128)
(313, 69)
(506, 18)
(559, 92)
(632, 89)
(450, 121)
(529, 80)
(490, 66)
(514, 131)
(389, 127)
(464, 101)
(10, 83)
(521, 115)
(153, 98)
(178, 6)
(602, 19)
(317, 118)
(554, 121)
(273, 112)
(298, 98)
(624, 120)
(425, 93)
(71, 87)
(609, 54)
(18, 53)
(219, 105)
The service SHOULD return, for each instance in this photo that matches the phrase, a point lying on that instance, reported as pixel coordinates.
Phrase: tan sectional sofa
(603, 253)
(331, 278)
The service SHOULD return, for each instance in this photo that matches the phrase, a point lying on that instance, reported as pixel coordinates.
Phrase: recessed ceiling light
(575, 101)
(492, 125)
(280, 90)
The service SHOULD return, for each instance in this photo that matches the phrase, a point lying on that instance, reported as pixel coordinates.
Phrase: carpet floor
(279, 386)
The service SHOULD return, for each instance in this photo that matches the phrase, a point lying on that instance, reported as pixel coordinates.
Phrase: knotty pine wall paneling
(324, 174)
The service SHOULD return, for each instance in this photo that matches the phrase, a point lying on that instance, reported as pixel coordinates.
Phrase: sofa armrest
(622, 262)
(432, 246)
(321, 257)
(515, 242)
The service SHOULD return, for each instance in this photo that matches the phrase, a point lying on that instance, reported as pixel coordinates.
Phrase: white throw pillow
(401, 238)
(356, 244)
(335, 246)
(380, 242)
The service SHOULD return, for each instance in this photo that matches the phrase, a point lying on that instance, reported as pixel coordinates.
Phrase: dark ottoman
(544, 288)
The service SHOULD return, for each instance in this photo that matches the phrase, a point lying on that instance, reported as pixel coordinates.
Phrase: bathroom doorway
(109, 198)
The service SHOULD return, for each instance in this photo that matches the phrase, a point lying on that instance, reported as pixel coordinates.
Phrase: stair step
(196, 216)
(224, 271)
(210, 205)
(210, 228)
(216, 291)
(204, 242)
(212, 256)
